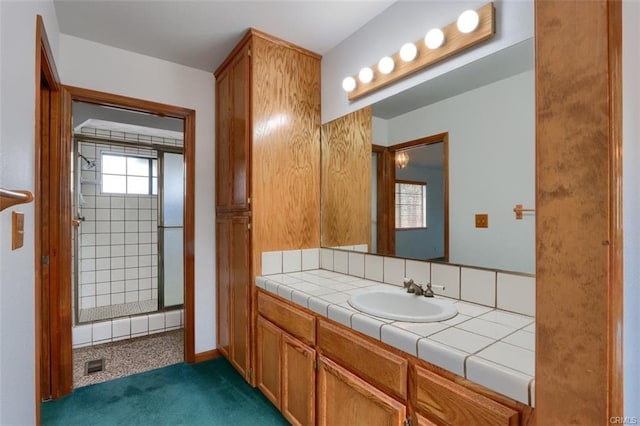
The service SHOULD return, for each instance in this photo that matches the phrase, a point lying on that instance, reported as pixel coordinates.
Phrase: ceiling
(200, 34)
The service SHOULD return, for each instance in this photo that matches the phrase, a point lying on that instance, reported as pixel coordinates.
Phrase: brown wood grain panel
(289, 318)
(285, 164)
(240, 290)
(446, 402)
(574, 244)
(269, 360)
(346, 180)
(223, 285)
(381, 367)
(345, 399)
(223, 140)
(298, 382)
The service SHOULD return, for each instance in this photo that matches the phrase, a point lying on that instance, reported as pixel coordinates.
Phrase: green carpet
(207, 393)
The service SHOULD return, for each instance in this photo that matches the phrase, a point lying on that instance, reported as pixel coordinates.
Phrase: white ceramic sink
(402, 306)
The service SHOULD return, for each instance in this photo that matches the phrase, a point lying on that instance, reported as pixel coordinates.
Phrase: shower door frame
(61, 322)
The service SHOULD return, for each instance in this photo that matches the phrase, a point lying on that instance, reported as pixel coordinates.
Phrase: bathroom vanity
(318, 360)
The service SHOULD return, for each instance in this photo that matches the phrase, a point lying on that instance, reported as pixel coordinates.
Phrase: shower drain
(94, 366)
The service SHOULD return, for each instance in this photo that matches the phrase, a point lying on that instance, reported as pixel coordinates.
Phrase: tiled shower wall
(118, 247)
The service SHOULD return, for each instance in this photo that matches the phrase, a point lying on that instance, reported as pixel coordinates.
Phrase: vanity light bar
(441, 43)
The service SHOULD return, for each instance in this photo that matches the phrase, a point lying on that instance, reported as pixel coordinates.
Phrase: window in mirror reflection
(411, 204)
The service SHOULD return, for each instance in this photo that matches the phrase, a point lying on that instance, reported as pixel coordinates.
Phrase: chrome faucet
(428, 292)
(412, 287)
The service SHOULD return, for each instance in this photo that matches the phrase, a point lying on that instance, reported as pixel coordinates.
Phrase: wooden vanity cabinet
(285, 359)
(437, 399)
(233, 274)
(346, 399)
(267, 157)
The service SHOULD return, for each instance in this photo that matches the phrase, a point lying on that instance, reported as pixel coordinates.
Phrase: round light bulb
(386, 65)
(408, 52)
(365, 75)
(434, 38)
(349, 84)
(468, 21)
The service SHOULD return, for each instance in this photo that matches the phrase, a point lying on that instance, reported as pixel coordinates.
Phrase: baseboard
(205, 356)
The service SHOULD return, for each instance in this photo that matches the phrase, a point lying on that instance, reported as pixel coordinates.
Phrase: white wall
(99, 67)
(491, 169)
(409, 21)
(631, 204)
(17, 344)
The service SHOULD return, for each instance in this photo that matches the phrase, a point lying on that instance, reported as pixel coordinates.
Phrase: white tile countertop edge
(471, 345)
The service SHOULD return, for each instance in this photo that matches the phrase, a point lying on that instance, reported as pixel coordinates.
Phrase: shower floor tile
(128, 357)
(114, 311)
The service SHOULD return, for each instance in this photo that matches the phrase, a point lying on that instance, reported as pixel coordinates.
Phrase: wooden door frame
(60, 319)
(386, 175)
(50, 200)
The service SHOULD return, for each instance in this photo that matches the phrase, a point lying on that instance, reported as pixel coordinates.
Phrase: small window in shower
(123, 174)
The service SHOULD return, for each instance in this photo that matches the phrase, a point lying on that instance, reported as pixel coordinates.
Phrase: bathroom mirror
(485, 111)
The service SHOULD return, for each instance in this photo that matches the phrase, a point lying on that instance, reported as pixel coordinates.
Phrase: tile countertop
(488, 346)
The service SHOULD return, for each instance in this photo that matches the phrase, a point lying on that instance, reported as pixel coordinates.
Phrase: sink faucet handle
(406, 282)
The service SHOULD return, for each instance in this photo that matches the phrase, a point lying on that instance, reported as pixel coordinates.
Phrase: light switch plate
(17, 230)
(482, 220)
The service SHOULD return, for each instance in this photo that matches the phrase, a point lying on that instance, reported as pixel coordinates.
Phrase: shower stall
(128, 235)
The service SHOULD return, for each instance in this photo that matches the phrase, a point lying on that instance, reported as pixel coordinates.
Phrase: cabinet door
(232, 134)
(268, 357)
(240, 290)
(345, 399)
(223, 288)
(298, 382)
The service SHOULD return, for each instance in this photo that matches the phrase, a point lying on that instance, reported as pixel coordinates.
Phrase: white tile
(88, 265)
(117, 274)
(156, 322)
(341, 261)
(131, 273)
(130, 226)
(81, 334)
(486, 328)
(511, 356)
(121, 328)
(101, 331)
(131, 238)
(498, 378)
(447, 276)
(131, 250)
(272, 286)
(87, 290)
(531, 328)
(103, 263)
(117, 226)
(340, 314)
(362, 248)
(310, 259)
(532, 393)
(300, 298)
(131, 296)
(517, 293)
(373, 269)
(139, 325)
(88, 277)
(400, 338)
(523, 339)
(103, 214)
(419, 271)
(422, 329)
(103, 300)
(285, 292)
(131, 202)
(172, 318)
(356, 264)
(103, 227)
(88, 302)
(103, 288)
(271, 262)
(291, 261)
(103, 202)
(117, 202)
(472, 310)
(319, 306)
(463, 340)
(335, 297)
(393, 271)
(88, 252)
(103, 251)
(117, 214)
(117, 298)
(367, 325)
(442, 355)
(478, 286)
(103, 276)
(117, 251)
(326, 259)
(509, 318)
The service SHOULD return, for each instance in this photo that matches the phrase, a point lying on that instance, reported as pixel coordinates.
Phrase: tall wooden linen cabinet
(267, 175)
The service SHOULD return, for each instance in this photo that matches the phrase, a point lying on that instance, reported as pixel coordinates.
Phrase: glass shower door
(170, 230)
